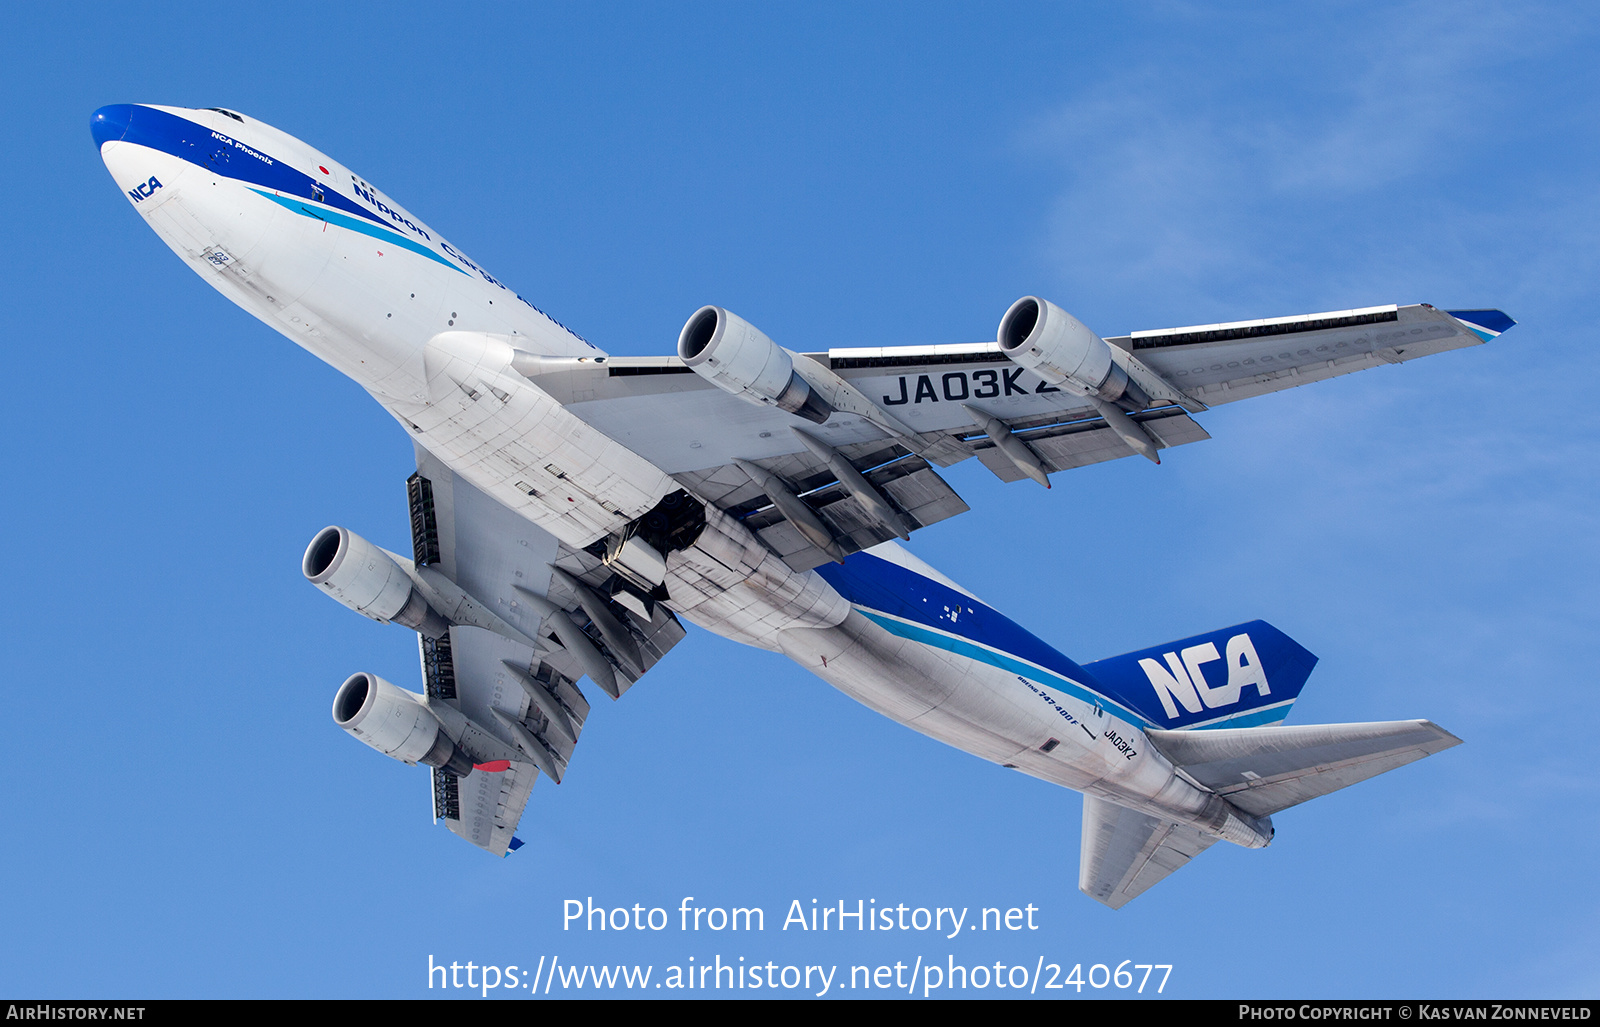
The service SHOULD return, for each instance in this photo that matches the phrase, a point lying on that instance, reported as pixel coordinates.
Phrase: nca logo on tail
(1184, 680)
(1192, 694)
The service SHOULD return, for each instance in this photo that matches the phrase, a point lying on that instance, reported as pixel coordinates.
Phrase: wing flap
(654, 632)
(1125, 853)
(1080, 443)
(919, 494)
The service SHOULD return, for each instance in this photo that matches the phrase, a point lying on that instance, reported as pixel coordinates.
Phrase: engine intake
(396, 723)
(737, 357)
(1040, 336)
(368, 580)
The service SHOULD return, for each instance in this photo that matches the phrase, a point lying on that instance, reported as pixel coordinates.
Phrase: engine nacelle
(368, 581)
(735, 356)
(396, 723)
(1040, 336)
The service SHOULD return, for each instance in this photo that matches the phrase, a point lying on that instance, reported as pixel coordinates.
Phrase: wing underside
(524, 697)
(924, 408)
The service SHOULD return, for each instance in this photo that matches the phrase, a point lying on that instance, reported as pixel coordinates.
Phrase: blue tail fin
(1244, 676)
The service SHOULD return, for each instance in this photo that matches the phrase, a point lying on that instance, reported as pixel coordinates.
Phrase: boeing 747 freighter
(570, 507)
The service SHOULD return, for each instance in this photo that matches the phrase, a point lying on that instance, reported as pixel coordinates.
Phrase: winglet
(1485, 324)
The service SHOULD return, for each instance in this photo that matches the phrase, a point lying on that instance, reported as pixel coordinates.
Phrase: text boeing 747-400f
(569, 507)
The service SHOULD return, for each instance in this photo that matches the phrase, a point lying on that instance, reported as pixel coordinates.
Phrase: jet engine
(396, 723)
(1040, 336)
(368, 580)
(737, 357)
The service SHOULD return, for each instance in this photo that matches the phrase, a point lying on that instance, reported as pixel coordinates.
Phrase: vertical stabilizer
(1244, 676)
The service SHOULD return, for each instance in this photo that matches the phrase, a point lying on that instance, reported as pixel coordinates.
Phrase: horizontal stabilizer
(1263, 770)
(1125, 853)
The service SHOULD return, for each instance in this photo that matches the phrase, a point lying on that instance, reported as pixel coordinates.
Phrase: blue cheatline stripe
(994, 658)
(873, 583)
(902, 600)
(218, 153)
(982, 654)
(333, 217)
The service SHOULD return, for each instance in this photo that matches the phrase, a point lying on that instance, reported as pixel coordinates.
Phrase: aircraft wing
(917, 408)
(1224, 362)
(526, 697)
(734, 454)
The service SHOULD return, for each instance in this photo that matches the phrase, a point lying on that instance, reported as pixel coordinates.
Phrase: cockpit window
(230, 114)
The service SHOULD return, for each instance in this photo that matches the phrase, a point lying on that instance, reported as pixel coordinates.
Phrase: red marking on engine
(493, 766)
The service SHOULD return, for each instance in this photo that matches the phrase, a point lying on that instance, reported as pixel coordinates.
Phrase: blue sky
(187, 821)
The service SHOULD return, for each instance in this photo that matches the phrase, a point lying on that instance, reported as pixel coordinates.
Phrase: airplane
(571, 509)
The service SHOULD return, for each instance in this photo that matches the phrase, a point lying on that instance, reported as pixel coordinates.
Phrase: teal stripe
(961, 647)
(333, 217)
(977, 653)
(1255, 718)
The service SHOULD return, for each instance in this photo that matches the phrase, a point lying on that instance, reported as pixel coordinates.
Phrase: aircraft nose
(110, 123)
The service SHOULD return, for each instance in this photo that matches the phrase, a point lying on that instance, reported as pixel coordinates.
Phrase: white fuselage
(314, 251)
